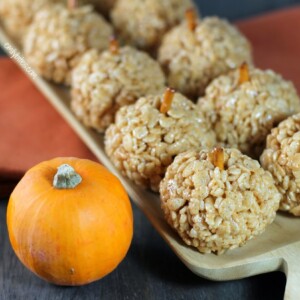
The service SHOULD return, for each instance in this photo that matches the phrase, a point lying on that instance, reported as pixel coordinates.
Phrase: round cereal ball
(148, 135)
(218, 199)
(282, 158)
(143, 23)
(104, 82)
(193, 56)
(243, 111)
(17, 15)
(59, 36)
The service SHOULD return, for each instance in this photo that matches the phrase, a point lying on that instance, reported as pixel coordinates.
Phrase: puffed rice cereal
(104, 82)
(59, 36)
(282, 158)
(243, 114)
(218, 200)
(143, 23)
(193, 58)
(17, 15)
(144, 141)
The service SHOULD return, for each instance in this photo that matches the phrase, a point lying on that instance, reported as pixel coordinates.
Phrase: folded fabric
(32, 131)
(276, 42)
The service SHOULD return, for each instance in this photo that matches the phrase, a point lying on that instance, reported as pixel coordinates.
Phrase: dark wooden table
(150, 270)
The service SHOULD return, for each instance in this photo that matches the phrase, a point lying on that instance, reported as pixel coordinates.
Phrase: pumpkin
(70, 221)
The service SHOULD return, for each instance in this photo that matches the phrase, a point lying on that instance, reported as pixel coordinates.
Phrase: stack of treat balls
(200, 143)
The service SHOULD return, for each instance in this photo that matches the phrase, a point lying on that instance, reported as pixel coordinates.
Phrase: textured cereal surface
(192, 59)
(214, 210)
(58, 37)
(102, 83)
(143, 23)
(143, 141)
(17, 15)
(282, 158)
(242, 115)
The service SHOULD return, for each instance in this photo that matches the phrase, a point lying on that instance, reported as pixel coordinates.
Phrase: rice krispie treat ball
(244, 105)
(195, 52)
(150, 133)
(218, 199)
(17, 15)
(143, 23)
(282, 158)
(59, 36)
(104, 82)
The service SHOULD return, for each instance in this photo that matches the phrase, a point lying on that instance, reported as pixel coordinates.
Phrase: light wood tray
(277, 249)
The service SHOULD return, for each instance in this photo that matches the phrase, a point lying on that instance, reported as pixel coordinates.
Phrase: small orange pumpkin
(70, 221)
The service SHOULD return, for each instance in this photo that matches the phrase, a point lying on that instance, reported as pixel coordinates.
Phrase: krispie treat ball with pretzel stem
(143, 23)
(244, 105)
(148, 135)
(282, 159)
(218, 199)
(17, 15)
(104, 82)
(197, 51)
(59, 36)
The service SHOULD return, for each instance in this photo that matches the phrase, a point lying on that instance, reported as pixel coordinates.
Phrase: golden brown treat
(143, 23)
(104, 82)
(243, 113)
(214, 210)
(282, 158)
(59, 36)
(17, 15)
(193, 58)
(143, 141)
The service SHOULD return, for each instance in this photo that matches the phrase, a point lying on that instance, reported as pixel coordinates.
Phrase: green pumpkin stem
(66, 178)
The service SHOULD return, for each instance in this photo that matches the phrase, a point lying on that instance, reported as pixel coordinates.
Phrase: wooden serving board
(277, 249)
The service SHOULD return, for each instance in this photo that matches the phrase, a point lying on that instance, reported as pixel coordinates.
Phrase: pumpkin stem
(114, 45)
(191, 18)
(216, 156)
(244, 73)
(66, 178)
(167, 100)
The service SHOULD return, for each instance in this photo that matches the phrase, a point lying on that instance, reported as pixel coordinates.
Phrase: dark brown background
(150, 270)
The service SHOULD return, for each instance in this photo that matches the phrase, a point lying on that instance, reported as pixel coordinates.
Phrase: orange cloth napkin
(32, 131)
(276, 42)
(30, 128)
